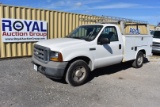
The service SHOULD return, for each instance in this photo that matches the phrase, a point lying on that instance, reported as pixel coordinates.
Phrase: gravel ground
(115, 86)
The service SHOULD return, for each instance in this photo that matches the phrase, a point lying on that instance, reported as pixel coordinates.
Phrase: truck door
(108, 54)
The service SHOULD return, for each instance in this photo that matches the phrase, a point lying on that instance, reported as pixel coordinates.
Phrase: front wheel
(138, 62)
(77, 73)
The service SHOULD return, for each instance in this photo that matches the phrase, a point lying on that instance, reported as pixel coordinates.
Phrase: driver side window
(110, 32)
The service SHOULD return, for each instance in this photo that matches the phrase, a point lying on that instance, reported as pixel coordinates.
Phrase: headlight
(56, 56)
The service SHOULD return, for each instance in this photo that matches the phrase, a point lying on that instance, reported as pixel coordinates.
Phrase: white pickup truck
(87, 48)
(156, 41)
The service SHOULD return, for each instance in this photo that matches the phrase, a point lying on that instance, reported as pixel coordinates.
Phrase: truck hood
(60, 43)
(156, 40)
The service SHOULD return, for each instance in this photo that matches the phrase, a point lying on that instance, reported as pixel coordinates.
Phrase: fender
(139, 49)
(80, 54)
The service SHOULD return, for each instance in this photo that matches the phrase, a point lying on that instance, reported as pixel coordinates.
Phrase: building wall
(152, 27)
(59, 25)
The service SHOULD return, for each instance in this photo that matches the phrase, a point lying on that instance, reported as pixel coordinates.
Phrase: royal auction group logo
(17, 30)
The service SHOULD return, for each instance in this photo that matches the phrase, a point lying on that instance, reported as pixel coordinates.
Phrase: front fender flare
(80, 54)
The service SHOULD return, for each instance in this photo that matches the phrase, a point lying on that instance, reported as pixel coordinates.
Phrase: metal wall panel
(59, 25)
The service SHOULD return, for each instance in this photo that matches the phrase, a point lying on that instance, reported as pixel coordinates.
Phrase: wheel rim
(140, 60)
(79, 74)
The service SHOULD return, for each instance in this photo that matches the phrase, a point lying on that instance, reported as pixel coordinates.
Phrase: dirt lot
(114, 86)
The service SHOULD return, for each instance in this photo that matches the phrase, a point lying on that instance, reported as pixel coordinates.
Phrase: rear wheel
(77, 73)
(138, 62)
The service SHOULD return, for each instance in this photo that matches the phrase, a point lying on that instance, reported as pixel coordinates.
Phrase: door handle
(92, 49)
(120, 46)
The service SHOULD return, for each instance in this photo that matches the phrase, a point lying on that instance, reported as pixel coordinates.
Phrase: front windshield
(156, 34)
(86, 32)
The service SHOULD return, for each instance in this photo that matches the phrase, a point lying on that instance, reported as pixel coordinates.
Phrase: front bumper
(156, 49)
(51, 69)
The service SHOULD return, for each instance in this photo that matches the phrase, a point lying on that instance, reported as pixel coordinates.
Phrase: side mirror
(103, 41)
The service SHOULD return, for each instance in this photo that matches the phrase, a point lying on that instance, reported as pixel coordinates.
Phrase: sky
(144, 10)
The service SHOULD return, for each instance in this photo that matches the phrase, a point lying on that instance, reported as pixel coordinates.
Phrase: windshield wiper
(67, 36)
(75, 37)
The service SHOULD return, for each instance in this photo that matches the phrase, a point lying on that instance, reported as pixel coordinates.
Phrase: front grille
(41, 53)
(156, 44)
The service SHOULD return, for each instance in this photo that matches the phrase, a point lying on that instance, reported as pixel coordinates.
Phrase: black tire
(138, 62)
(77, 73)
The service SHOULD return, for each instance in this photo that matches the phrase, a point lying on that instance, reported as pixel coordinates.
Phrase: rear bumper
(51, 69)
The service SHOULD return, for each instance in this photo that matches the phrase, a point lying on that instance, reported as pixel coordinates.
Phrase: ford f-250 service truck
(87, 48)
